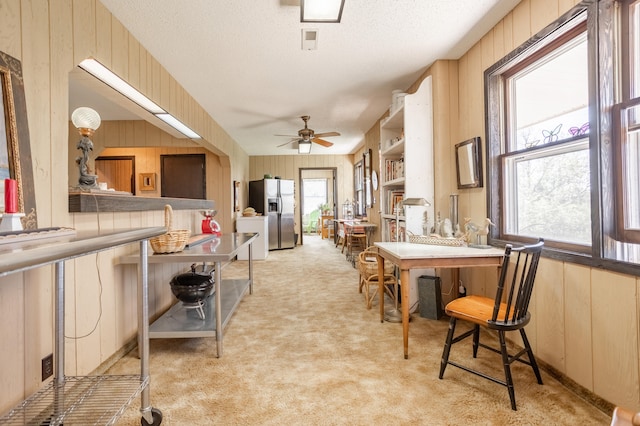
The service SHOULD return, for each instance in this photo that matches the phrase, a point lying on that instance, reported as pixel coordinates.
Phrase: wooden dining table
(407, 256)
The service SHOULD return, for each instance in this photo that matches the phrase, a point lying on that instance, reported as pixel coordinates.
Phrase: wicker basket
(425, 239)
(174, 240)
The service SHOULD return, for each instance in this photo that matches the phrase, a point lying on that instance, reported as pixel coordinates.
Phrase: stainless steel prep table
(180, 322)
(78, 400)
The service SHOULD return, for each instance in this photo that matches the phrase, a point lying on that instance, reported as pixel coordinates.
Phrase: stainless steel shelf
(180, 321)
(83, 400)
(79, 400)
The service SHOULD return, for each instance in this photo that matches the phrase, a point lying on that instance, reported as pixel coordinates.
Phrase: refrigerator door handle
(279, 205)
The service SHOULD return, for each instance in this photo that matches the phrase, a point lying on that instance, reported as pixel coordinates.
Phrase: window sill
(581, 259)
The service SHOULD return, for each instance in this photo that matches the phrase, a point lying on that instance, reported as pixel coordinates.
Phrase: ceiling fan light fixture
(323, 11)
(304, 147)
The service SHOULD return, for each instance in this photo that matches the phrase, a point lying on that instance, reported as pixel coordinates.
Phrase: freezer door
(287, 232)
(274, 231)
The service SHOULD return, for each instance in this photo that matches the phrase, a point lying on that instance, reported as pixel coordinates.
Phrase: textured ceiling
(242, 60)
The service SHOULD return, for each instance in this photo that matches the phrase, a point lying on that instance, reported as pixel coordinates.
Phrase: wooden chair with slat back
(508, 311)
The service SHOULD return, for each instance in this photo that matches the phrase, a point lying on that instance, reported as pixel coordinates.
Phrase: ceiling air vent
(309, 39)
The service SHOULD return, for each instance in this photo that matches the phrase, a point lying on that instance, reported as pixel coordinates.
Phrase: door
(117, 172)
(183, 176)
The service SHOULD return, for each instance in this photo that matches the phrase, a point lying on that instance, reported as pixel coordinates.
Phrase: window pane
(549, 196)
(549, 99)
(634, 51)
(631, 166)
(315, 194)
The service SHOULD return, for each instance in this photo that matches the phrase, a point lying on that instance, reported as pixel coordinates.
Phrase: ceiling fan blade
(288, 142)
(327, 134)
(322, 142)
(289, 136)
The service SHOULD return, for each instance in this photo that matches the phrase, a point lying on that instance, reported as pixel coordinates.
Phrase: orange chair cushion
(475, 309)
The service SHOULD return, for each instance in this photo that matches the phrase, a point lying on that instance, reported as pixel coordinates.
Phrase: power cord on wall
(100, 287)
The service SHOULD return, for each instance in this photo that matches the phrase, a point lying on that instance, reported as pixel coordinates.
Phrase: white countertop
(405, 250)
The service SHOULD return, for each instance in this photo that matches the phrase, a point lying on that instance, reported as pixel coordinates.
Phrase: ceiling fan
(308, 135)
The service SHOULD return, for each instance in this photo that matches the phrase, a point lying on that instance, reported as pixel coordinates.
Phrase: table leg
(218, 301)
(455, 277)
(251, 267)
(405, 291)
(380, 260)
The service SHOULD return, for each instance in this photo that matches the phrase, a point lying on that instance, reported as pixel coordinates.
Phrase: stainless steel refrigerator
(274, 198)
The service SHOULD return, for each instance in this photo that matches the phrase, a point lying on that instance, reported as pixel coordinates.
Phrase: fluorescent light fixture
(178, 125)
(304, 147)
(329, 11)
(107, 76)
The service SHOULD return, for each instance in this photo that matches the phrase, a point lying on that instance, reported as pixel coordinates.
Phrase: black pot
(192, 287)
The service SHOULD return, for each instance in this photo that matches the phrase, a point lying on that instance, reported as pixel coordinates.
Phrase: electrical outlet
(47, 367)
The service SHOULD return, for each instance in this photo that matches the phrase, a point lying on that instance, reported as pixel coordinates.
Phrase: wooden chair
(341, 236)
(508, 311)
(368, 269)
(356, 241)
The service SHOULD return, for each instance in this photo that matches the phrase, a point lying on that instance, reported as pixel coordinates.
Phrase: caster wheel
(157, 418)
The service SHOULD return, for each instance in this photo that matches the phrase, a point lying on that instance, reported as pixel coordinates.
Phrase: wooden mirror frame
(368, 195)
(469, 163)
(16, 138)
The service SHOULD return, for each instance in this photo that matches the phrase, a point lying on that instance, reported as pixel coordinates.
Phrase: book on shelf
(394, 169)
(393, 198)
(393, 228)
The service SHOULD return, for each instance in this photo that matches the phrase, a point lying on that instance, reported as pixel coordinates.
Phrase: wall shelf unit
(406, 156)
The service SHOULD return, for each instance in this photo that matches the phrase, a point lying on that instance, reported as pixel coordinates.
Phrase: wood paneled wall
(50, 37)
(288, 166)
(147, 143)
(585, 321)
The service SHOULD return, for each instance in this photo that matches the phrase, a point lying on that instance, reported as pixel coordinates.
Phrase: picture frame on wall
(469, 163)
(147, 181)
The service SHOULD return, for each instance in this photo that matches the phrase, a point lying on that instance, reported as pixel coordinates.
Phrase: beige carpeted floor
(304, 350)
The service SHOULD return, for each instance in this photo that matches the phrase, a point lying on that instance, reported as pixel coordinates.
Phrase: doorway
(318, 190)
(183, 176)
(117, 172)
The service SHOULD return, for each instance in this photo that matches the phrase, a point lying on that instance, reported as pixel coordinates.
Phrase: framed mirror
(15, 148)
(469, 163)
(368, 196)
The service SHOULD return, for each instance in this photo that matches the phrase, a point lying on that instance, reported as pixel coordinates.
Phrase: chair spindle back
(514, 310)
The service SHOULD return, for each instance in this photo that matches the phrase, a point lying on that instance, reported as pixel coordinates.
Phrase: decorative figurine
(86, 121)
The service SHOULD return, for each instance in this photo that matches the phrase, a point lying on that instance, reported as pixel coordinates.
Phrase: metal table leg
(218, 301)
